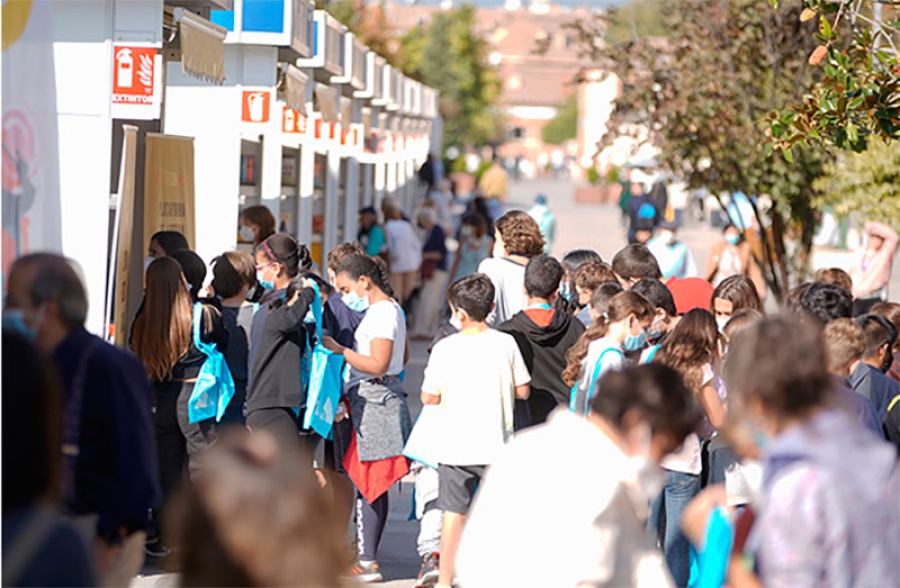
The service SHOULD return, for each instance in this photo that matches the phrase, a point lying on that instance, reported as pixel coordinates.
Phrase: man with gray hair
(111, 478)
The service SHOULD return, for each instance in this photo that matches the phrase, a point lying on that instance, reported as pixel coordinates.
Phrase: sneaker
(366, 573)
(430, 570)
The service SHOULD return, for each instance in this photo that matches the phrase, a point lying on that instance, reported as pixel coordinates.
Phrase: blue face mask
(264, 284)
(653, 334)
(355, 302)
(565, 290)
(733, 239)
(635, 342)
(14, 320)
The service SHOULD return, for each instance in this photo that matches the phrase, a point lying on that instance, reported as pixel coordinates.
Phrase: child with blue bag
(602, 347)
(276, 396)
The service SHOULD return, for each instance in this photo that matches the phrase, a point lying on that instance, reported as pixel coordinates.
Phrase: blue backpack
(215, 387)
(325, 382)
(573, 395)
(645, 219)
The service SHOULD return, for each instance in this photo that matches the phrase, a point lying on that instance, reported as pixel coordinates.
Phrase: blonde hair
(844, 342)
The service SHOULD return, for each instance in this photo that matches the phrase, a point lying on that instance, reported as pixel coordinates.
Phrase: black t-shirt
(237, 321)
(437, 243)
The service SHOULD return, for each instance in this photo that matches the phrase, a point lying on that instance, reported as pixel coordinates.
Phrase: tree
(866, 185)
(640, 18)
(858, 93)
(370, 24)
(703, 95)
(564, 126)
(448, 55)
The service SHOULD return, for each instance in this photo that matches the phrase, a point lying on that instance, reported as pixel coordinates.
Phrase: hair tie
(265, 246)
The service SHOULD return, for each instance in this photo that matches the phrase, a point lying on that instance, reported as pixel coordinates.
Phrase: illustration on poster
(19, 168)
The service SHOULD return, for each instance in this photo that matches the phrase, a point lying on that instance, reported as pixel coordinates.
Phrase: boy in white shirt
(474, 376)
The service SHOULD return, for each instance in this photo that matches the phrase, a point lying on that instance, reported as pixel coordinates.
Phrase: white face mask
(721, 321)
(499, 250)
(668, 237)
(455, 322)
(150, 259)
(247, 234)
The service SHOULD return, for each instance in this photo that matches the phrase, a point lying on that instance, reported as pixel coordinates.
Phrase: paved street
(595, 227)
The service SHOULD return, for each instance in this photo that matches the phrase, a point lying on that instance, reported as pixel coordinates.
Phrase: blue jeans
(665, 519)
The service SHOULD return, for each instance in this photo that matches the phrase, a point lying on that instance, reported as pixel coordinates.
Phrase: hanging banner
(31, 205)
(169, 186)
(117, 290)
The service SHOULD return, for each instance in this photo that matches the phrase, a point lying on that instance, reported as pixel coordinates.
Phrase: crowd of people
(584, 422)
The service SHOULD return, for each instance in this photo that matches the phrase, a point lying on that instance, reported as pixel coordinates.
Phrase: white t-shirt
(613, 359)
(508, 278)
(404, 245)
(582, 519)
(687, 458)
(383, 320)
(475, 376)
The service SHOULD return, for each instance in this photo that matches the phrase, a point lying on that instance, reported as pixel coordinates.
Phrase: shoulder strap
(317, 310)
(197, 324)
(72, 424)
(652, 353)
(893, 402)
(593, 381)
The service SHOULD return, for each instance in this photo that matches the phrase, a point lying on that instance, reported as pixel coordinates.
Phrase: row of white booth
(306, 121)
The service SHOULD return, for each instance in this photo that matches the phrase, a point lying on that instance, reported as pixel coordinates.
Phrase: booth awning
(294, 88)
(202, 47)
(326, 103)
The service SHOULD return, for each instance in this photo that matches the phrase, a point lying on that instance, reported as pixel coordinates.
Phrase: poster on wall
(31, 205)
(117, 290)
(169, 186)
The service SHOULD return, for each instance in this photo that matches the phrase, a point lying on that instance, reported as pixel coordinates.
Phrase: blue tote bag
(215, 386)
(325, 381)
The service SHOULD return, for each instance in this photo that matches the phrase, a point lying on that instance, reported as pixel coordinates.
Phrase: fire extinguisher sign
(136, 81)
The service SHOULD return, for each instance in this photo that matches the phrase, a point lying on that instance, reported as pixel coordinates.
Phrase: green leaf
(773, 3)
(789, 154)
(825, 28)
(852, 132)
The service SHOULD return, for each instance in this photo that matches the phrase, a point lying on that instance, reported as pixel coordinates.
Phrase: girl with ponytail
(620, 328)
(277, 339)
(378, 409)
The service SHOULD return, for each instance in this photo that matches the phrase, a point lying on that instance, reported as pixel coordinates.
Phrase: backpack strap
(197, 324)
(72, 422)
(893, 402)
(593, 381)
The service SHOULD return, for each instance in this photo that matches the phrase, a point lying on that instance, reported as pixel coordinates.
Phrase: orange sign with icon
(255, 106)
(292, 121)
(134, 75)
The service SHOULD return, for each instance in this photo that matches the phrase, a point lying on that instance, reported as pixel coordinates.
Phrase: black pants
(370, 521)
(171, 448)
